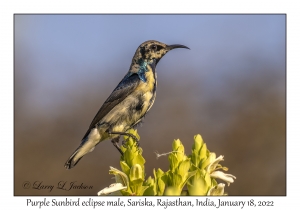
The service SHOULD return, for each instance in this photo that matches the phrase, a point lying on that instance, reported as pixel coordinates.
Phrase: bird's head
(150, 52)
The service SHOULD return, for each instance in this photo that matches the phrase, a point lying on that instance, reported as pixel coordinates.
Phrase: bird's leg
(124, 143)
(125, 134)
(115, 142)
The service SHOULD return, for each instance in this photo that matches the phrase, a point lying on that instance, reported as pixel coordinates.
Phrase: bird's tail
(85, 147)
(73, 159)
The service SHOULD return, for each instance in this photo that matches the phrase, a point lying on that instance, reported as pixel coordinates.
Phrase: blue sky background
(230, 88)
(70, 48)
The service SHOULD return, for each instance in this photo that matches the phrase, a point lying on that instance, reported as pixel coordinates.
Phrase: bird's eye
(154, 47)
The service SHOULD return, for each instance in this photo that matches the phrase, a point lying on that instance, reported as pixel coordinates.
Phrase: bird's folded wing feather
(124, 88)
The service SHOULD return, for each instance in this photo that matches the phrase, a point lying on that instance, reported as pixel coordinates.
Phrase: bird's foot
(126, 134)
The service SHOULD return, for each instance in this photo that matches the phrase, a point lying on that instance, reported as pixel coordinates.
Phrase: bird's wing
(124, 88)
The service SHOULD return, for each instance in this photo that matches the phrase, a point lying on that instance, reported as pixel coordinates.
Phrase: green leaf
(125, 167)
(128, 157)
(160, 186)
(214, 182)
(175, 180)
(197, 185)
(151, 190)
(203, 152)
(150, 181)
(210, 159)
(172, 191)
(142, 190)
(208, 180)
(173, 161)
(159, 173)
(159, 177)
(137, 187)
(189, 175)
(138, 159)
(183, 168)
(126, 193)
(136, 182)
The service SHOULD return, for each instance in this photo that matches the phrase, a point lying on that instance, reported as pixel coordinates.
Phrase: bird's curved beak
(174, 46)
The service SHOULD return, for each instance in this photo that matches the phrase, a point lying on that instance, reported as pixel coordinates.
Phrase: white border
(8, 8)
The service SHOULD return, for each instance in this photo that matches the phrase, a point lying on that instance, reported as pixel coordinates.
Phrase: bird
(128, 103)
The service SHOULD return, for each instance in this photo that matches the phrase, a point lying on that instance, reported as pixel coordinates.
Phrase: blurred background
(230, 88)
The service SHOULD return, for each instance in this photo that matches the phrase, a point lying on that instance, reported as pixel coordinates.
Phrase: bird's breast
(147, 90)
(134, 107)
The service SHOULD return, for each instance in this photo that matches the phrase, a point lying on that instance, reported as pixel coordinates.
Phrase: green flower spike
(198, 172)
(179, 173)
(133, 171)
(206, 164)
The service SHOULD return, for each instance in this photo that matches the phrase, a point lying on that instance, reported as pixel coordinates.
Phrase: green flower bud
(177, 146)
(198, 142)
(136, 172)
